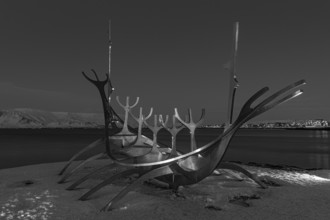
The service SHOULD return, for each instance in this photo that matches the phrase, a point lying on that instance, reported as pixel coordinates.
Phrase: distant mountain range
(32, 118)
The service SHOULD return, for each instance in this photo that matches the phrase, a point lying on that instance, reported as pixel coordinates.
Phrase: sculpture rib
(108, 181)
(86, 177)
(87, 148)
(161, 171)
(84, 162)
(235, 167)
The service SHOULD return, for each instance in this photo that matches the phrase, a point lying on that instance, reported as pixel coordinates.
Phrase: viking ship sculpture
(137, 154)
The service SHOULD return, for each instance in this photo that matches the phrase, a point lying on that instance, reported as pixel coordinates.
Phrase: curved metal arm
(191, 125)
(285, 89)
(155, 128)
(127, 106)
(107, 110)
(262, 105)
(140, 140)
(174, 130)
(98, 83)
(201, 119)
(276, 103)
(150, 113)
(162, 122)
(177, 116)
(125, 131)
(141, 115)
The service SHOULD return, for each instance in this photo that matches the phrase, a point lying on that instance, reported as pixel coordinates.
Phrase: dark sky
(170, 54)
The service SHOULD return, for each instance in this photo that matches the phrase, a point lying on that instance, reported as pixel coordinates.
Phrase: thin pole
(233, 83)
(112, 113)
(110, 89)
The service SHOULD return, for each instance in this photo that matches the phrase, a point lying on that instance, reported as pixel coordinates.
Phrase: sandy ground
(32, 192)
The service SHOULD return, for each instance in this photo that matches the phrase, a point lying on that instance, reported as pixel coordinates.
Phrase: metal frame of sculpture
(140, 155)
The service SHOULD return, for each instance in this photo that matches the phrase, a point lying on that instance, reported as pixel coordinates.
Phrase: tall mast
(110, 89)
(233, 83)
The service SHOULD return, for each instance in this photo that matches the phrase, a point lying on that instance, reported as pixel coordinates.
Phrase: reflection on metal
(137, 154)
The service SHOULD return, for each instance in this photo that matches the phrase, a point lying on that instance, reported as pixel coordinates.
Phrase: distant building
(315, 123)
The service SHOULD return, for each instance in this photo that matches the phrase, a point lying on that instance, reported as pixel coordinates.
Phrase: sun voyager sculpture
(138, 155)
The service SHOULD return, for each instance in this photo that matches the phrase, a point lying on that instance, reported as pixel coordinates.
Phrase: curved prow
(107, 110)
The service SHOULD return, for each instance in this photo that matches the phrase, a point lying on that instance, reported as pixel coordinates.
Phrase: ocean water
(301, 148)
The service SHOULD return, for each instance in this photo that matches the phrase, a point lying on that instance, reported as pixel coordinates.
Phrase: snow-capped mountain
(32, 118)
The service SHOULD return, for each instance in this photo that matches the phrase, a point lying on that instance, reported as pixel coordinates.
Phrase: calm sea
(301, 148)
